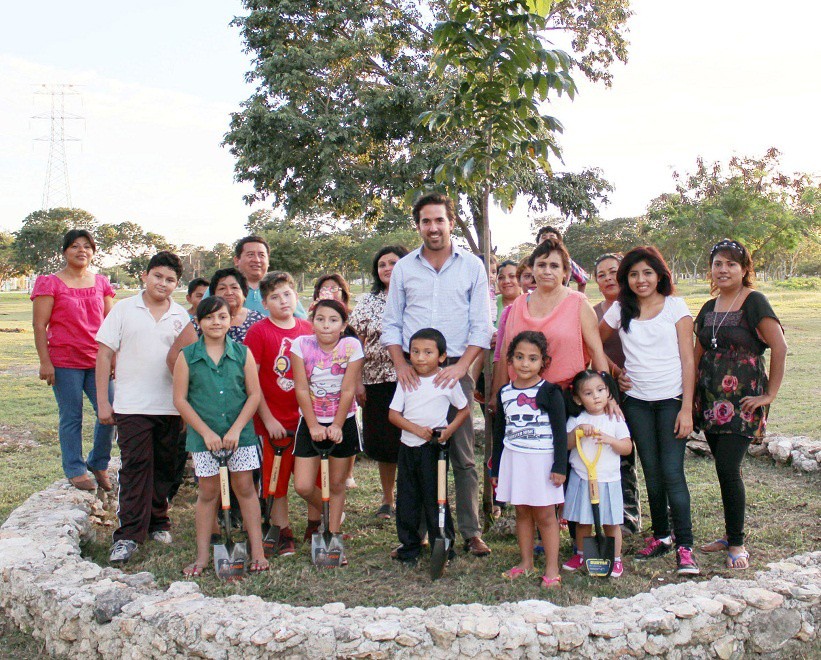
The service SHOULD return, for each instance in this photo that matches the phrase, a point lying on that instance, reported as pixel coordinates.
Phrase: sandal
(259, 566)
(551, 583)
(83, 482)
(385, 512)
(719, 545)
(741, 556)
(515, 572)
(194, 570)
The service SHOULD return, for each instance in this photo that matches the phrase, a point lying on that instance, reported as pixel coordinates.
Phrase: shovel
(599, 551)
(270, 538)
(326, 548)
(441, 546)
(230, 558)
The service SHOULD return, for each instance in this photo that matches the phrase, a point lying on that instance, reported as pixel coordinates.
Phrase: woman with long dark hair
(656, 331)
(381, 438)
(733, 389)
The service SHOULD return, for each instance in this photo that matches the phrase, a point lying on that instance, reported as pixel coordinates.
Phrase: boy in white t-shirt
(139, 331)
(418, 412)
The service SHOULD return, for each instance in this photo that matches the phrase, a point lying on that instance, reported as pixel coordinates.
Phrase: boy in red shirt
(270, 342)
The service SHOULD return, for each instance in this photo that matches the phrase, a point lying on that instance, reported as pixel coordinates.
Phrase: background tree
(331, 131)
(8, 262)
(38, 243)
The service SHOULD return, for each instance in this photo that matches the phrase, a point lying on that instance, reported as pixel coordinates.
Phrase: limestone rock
(569, 634)
(770, 631)
(732, 606)
(110, 603)
(683, 610)
(762, 599)
(382, 631)
(725, 647)
(658, 621)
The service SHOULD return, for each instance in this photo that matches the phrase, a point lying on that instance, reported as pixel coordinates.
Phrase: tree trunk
(487, 493)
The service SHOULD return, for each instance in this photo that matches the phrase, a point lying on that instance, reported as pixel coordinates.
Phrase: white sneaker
(161, 536)
(121, 551)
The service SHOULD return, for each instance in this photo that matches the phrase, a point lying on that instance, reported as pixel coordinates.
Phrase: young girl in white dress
(592, 391)
(530, 453)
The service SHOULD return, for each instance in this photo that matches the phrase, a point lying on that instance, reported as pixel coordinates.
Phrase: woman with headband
(733, 390)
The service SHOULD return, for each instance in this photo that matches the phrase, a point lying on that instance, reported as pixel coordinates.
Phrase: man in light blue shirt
(442, 286)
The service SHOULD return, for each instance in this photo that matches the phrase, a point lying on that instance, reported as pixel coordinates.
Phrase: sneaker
(686, 562)
(287, 543)
(121, 551)
(161, 536)
(618, 569)
(574, 563)
(654, 548)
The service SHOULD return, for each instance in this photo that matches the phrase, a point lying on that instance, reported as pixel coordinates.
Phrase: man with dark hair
(577, 273)
(251, 258)
(442, 286)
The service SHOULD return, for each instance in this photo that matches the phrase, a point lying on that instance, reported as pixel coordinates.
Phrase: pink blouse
(562, 328)
(75, 318)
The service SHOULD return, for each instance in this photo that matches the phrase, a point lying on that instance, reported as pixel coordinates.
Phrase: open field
(784, 508)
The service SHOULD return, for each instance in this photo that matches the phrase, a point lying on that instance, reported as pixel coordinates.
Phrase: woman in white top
(656, 331)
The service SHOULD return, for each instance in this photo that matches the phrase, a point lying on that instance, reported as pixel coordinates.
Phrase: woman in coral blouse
(69, 307)
(566, 319)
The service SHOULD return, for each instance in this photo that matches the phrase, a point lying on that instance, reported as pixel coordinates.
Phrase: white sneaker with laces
(121, 551)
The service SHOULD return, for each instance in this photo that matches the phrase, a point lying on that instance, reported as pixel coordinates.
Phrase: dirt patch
(13, 439)
(20, 370)
(13, 330)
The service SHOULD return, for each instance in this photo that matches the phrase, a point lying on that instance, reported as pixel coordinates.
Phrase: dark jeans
(179, 468)
(416, 498)
(148, 451)
(662, 461)
(728, 451)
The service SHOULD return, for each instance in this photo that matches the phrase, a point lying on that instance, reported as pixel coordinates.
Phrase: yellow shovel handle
(590, 465)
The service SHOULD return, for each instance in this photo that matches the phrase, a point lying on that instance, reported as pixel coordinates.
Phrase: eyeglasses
(330, 289)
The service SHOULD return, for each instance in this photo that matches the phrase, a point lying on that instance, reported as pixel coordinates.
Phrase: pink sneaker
(574, 563)
(618, 569)
(654, 548)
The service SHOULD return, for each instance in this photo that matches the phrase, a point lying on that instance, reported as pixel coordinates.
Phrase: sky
(157, 83)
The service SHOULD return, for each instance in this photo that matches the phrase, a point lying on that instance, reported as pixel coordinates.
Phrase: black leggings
(728, 451)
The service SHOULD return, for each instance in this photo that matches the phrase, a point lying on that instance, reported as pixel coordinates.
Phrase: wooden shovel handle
(272, 484)
(594, 491)
(442, 482)
(326, 488)
(225, 493)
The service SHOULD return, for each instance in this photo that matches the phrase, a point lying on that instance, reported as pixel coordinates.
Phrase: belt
(449, 362)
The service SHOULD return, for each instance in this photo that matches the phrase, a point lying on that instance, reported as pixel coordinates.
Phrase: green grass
(783, 518)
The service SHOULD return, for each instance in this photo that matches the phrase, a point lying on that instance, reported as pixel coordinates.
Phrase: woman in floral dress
(381, 438)
(733, 389)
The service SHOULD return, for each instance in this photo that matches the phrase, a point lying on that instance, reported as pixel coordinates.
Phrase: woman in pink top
(69, 307)
(566, 319)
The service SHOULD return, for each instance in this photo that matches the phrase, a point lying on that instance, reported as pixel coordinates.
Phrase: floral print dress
(732, 367)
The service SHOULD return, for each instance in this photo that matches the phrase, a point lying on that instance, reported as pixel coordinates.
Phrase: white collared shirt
(143, 384)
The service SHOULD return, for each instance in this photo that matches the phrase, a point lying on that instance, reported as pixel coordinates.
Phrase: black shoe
(410, 562)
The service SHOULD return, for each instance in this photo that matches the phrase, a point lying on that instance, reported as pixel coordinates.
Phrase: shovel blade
(439, 557)
(599, 557)
(326, 553)
(270, 542)
(230, 564)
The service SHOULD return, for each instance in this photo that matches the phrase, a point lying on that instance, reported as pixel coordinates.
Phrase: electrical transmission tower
(56, 191)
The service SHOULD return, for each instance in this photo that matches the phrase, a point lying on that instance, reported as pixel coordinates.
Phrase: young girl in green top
(216, 390)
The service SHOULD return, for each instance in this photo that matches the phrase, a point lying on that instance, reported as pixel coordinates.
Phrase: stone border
(81, 609)
(802, 452)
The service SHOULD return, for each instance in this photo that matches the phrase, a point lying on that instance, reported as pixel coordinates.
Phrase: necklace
(714, 341)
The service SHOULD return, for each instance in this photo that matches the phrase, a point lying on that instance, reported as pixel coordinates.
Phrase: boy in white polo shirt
(139, 331)
(418, 412)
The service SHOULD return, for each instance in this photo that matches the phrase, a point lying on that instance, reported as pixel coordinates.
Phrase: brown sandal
(83, 482)
(103, 480)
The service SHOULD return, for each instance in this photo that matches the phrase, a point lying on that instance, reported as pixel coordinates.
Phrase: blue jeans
(662, 461)
(69, 385)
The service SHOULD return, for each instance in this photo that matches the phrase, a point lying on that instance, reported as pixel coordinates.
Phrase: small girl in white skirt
(592, 390)
(530, 453)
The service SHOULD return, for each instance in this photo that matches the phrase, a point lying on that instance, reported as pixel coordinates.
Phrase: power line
(57, 190)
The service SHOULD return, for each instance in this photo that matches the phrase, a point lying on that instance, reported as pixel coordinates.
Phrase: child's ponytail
(575, 409)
